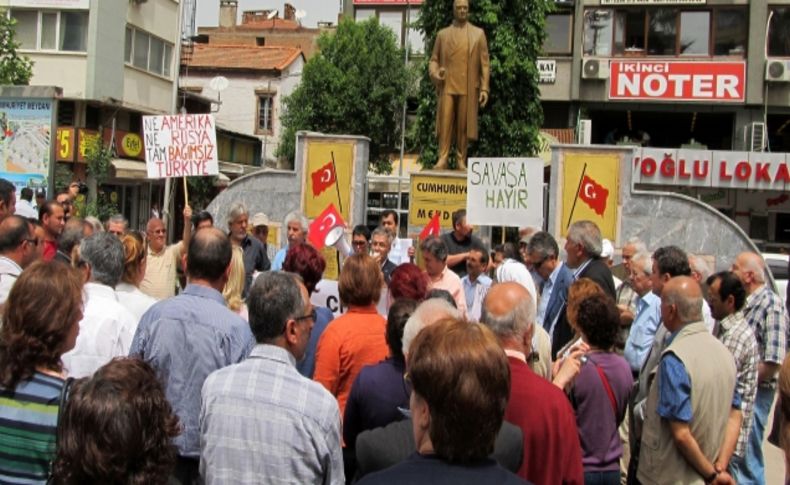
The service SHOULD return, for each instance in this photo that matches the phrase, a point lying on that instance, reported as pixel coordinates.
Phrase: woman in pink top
(357, 338)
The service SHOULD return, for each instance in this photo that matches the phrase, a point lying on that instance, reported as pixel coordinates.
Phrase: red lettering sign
(677, 81)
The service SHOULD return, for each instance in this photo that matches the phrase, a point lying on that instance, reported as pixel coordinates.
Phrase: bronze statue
(459, 70)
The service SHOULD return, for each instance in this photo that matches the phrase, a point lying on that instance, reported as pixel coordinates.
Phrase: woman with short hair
(117, 427)
(356, 338)
(460, 385)
(599, 394)
(40, 324)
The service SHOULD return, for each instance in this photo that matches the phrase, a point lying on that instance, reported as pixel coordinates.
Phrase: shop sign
(653, 2)
(547, 68)
(25, 141)
(430, 194)
(503, 190)
(387, 2)
(677, 81)
(715, 169)
(65, 138)
(84, 138)
(76, 4)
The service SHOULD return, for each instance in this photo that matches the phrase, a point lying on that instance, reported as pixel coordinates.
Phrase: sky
(317, 10)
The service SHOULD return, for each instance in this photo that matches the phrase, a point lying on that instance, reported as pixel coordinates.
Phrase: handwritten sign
(505, 191)
(180, 145)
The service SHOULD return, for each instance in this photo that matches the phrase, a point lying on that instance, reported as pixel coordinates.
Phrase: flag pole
(575, 199)
(337, 186)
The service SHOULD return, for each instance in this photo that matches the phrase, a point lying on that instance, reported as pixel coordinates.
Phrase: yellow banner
(319, 191)
(431, 193)
(591, 190)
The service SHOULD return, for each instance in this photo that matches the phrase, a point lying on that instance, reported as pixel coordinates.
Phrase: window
(730, 32)
(661, 31)
(148, 52)
(416, 42)
(393, 20)
(363, 14)
(694, 33)
(778, 34)
(265, 102)
(559, 28)
(73, 31)
(49, 29)
(598, 32)
(26, 28)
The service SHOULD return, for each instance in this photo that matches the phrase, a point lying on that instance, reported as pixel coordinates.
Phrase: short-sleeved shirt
(457, 247)
(160, 272)
(766, 314)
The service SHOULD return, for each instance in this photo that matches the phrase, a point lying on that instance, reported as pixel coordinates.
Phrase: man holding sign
(160, 271)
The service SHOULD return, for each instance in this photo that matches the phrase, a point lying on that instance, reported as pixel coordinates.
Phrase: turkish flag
(594, 195)
(323, 178)
(432, 228)
(324, 223)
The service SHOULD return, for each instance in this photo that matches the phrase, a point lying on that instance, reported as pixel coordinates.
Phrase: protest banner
(429, 194)
(505, 191)
(180, 145)
(328, 178)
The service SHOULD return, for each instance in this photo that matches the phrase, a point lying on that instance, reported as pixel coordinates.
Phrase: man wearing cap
(260, 229)
(255, 258)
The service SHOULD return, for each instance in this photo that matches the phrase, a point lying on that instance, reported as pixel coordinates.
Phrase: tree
(509, 125)
(355, 85)
(14, 69)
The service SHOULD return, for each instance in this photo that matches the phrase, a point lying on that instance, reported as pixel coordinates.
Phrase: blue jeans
(751, 469)
(602, 478)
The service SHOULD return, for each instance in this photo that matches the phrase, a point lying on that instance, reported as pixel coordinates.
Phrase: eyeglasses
(312, 316)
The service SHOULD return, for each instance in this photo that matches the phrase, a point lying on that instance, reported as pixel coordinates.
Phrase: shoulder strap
(608, 388)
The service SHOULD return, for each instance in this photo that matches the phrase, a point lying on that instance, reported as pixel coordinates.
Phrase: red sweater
(552, 454)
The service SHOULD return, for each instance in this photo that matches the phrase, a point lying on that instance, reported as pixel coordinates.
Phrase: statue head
(461, 10)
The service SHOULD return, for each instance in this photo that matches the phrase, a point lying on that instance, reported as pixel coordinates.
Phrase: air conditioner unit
(595, 69)
(777, 70)
(584, 132)
(755, 136)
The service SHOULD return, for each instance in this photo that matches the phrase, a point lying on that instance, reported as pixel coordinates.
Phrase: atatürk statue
(459, 70)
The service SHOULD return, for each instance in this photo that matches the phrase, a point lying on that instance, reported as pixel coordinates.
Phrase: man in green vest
(692, 397)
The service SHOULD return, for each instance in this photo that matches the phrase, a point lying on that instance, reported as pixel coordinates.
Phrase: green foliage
(509, 125)
(202, 191)
(355, 85)
(99, 160)
(14, 69)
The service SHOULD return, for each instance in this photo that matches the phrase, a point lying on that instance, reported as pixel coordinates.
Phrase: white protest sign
(504, 191)
(180, 145)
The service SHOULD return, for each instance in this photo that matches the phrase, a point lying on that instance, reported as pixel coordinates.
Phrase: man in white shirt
(401, 250)
(24, 206)
(476, 283)
(19, 247)
(107, 327)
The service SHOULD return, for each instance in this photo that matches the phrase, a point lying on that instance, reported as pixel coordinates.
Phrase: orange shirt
(350, 342)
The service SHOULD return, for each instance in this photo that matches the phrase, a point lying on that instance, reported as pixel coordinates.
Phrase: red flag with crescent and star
(322, 224)
(432, 228)
(593, 194)
(323, 178)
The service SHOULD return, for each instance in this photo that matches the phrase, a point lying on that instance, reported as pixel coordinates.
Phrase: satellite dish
(272, 14)
(300, 14)
(218, 84)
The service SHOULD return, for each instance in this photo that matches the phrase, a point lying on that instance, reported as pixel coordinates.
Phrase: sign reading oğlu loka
(677, 81)
(505, 191)
(180, 145)
(718, 169)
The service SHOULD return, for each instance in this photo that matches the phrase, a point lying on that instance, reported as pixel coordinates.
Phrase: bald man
(692, 399)
(162, 260)
(552, 453)
(767, 316)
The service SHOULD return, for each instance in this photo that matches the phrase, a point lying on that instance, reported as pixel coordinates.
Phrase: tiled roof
(242, 57)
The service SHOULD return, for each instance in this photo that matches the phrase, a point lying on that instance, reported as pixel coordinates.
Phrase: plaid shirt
(766, 314)
(262, 422)
(739, 338)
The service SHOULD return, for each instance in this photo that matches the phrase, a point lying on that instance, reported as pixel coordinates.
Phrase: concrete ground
(774, 460)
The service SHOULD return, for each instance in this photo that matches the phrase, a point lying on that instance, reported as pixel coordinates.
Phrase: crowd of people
(522, 363)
